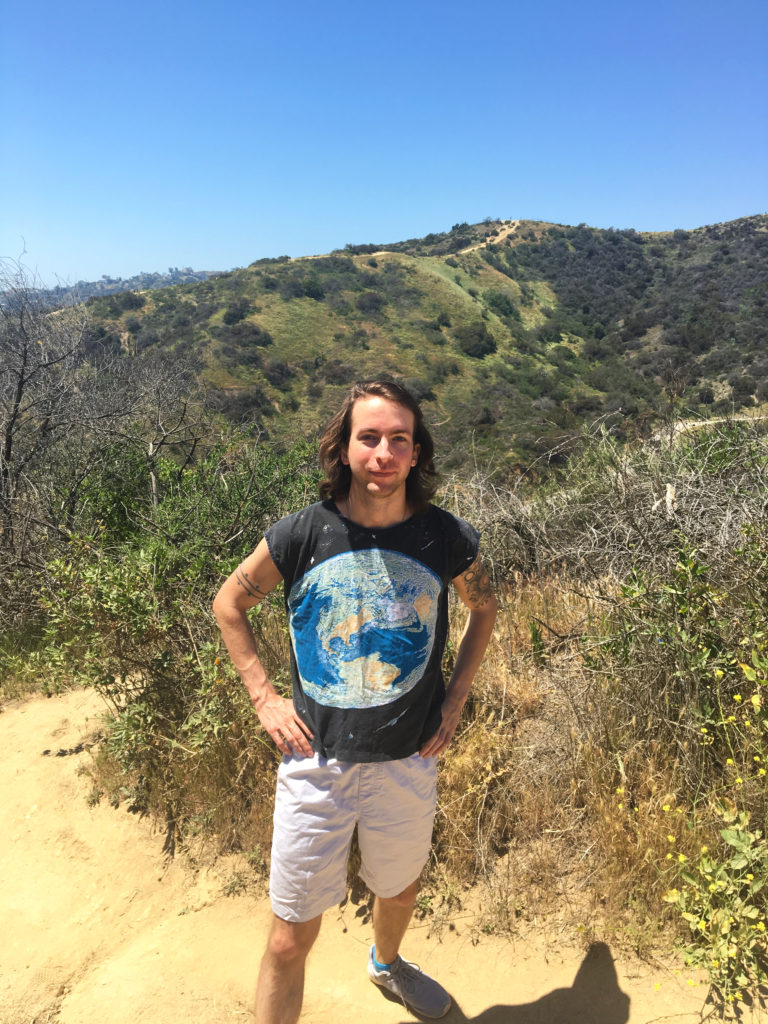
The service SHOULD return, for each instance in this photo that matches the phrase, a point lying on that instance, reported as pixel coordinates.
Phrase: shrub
(132, 618)
(251, 334)
(370, 303)
(313, 289)
(279, 374)
(336, 372)
(501, 303)
(723, 900)
(236, 311)
(244, 404)
(474, 340)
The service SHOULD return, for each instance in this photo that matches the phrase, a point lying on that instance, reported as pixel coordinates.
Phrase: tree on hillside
(475, 340)
(41, 396)
(67, 411)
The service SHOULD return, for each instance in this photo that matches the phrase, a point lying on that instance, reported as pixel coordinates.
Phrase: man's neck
(366, 510)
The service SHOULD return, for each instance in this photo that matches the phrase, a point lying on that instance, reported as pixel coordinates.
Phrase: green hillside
(512, 333)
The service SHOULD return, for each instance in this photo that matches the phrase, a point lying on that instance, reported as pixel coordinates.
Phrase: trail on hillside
(505, 232)
(98, 927)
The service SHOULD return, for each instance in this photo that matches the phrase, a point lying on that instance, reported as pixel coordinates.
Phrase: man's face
(381, 452)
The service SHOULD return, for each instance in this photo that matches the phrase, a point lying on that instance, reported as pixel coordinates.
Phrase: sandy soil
(98, 928)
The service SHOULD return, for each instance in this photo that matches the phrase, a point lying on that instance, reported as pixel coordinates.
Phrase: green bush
(501, 303)
(475, 340)
(724, 901)
(129, 614)
(236, 311)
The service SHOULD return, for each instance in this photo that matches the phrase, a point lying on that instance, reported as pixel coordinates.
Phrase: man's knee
(406, 898)
(290, 941)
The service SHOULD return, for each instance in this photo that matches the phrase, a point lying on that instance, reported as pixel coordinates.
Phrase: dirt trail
(506, 232)
(97, 928)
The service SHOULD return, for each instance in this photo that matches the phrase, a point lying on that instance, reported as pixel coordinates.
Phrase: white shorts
(319, 801)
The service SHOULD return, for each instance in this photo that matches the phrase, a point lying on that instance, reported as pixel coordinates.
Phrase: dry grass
(537, 805)
(506, 818)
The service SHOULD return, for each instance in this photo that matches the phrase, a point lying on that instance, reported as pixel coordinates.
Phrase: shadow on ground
(594, 998)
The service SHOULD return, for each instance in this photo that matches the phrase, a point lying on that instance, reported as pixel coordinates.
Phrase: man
(366, 573)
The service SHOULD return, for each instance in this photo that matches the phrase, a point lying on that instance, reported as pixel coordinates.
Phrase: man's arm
(248, 585)
(474, 589)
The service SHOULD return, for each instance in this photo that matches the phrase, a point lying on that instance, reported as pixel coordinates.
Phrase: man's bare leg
(423, 996)
(280, 988)
(391, 917)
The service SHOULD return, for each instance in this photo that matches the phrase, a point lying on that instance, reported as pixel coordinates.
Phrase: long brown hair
(421, 482)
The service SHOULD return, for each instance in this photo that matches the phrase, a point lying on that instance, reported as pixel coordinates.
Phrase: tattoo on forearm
(249, 586)
(478, 584)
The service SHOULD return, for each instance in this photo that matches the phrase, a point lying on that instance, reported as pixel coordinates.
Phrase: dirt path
(504, 233)
(96, 928)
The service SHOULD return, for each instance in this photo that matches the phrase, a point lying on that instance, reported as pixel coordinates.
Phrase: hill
(512, 333)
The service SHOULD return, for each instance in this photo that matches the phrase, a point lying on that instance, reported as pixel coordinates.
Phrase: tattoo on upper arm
(251, 587)
(478, 584)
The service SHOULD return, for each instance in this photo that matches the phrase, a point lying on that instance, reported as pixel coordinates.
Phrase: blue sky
(209, 135)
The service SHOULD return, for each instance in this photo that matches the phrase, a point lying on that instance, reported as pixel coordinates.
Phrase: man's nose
(383, 450)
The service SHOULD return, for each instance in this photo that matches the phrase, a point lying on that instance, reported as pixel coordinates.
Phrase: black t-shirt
(368, 615)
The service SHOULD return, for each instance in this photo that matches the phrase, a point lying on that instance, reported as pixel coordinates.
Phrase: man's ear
(344, 455)
(416, 454)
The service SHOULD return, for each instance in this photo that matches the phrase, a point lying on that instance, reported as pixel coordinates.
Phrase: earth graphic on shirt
(363, 625)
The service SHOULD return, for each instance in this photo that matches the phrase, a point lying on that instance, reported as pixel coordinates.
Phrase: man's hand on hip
(278, 716)
(437, 743)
